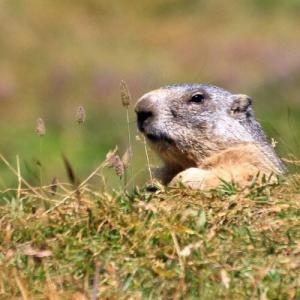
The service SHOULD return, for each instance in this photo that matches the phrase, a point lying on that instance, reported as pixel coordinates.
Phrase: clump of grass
(171, 244)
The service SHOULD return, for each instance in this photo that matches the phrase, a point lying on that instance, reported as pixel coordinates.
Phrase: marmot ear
(241, 105)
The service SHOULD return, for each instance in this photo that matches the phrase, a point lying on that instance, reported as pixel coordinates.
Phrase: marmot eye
(198, 98)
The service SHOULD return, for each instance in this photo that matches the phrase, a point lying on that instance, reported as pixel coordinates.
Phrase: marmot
(205, 134)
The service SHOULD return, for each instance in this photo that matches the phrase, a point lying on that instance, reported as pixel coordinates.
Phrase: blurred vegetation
(57, 55)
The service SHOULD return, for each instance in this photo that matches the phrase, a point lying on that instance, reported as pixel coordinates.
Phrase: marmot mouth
(155, 138)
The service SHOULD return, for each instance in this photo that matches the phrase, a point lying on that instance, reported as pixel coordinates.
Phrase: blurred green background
(58, 54)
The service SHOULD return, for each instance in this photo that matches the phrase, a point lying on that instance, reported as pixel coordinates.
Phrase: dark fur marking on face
(159, 137)
(241, 105)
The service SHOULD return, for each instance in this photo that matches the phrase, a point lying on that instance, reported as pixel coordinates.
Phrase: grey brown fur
(189, 124)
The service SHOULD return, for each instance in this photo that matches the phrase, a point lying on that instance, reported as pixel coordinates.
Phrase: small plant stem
(19, 177)
(40, 164)
(148, 161)
(130, 149)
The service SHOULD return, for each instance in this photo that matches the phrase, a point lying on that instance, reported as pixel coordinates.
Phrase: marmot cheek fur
(204, 133)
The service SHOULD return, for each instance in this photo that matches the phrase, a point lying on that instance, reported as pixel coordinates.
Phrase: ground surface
(57, 55)
(175, 244)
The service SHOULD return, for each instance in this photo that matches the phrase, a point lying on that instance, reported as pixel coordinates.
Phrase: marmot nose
(142, 116)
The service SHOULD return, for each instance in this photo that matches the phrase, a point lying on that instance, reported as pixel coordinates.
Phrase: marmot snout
(205, 127)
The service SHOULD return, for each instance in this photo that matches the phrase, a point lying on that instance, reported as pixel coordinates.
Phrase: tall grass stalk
(130, 148)
(19, 177)
(148, 160)
(126, 100)
(40, 159)
(40, 131)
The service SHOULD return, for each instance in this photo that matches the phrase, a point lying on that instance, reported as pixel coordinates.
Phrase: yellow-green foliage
(57, 55)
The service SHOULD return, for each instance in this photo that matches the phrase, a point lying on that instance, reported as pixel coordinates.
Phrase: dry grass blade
(291, 161)
(21, 178)
(29, 251)
(225, 278)
(50, 290)
(20, 284)
(126, 158)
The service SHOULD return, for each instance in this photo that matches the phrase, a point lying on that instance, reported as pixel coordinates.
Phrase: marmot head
(187, 123)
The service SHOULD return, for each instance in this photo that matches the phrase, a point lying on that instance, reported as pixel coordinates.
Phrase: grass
(82, 240)
(166, 244)
(47, 70)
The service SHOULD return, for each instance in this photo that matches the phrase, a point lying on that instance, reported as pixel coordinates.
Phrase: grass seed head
(113, 160)
(70, 171)
(80, 114)
(40, 127)
(125, 94)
